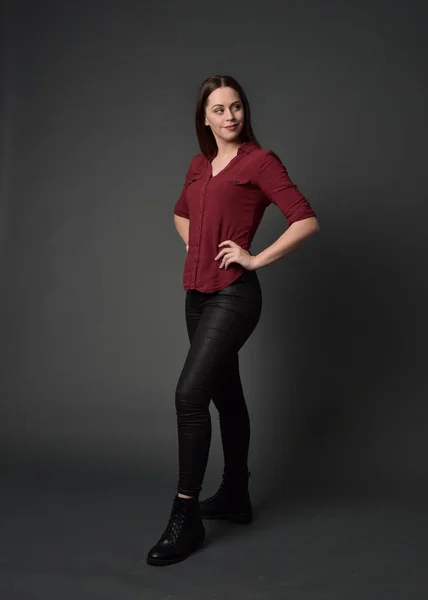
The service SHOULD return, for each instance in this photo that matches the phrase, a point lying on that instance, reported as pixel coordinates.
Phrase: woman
(227, 189)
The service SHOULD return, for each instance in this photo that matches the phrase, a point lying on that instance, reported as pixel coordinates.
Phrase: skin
(224, 107)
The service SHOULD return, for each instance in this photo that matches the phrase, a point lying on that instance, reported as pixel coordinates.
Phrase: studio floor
(86, 542)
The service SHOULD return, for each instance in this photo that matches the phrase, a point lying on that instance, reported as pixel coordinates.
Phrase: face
(223, 109)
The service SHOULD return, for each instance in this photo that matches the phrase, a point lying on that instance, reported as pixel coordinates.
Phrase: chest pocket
(247, 191)
(240, 181)
(193, 179)
(193, 190)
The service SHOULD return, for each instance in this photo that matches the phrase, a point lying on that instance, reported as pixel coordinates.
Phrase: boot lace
(175, 524)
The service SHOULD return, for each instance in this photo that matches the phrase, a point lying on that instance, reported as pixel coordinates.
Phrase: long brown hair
(205, 136)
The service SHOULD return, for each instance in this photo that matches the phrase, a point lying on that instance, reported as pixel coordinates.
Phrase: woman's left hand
(232, 253)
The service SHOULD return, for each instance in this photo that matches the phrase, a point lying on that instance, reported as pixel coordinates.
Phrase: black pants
(218, 325)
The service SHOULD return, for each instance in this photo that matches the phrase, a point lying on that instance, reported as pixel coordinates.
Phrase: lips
(232, 126)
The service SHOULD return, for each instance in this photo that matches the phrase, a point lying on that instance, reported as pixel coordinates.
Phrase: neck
(227, 149)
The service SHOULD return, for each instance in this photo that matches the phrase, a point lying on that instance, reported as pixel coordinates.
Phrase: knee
(189, 399)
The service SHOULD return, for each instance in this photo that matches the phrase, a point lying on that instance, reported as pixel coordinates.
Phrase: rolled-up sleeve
(276, 185)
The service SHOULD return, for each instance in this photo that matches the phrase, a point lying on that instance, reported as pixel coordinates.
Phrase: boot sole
(242, 519)
(164, 562)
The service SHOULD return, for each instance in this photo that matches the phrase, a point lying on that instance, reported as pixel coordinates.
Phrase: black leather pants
(218, 325)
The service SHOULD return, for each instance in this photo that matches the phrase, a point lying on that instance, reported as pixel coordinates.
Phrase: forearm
(287, 242)
(182, 227)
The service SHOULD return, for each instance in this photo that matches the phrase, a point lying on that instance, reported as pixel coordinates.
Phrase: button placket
(199, 228)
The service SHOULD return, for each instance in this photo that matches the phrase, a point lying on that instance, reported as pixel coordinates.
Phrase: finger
(225, 257)
(220, 254)
(224, 260)
(226, 242)
(229, 258)
(226, 252)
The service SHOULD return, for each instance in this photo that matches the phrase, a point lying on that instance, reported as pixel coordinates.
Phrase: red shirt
(230, 206)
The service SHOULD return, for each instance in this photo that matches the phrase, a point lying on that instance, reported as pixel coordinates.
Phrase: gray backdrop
(97, 102)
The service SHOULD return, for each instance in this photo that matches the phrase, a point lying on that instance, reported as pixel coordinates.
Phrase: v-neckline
(221, 171)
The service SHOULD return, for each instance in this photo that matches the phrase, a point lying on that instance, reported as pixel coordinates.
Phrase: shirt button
(199, 226)
(200, 210)
(197, 243)
(194, 260)
(235, 181)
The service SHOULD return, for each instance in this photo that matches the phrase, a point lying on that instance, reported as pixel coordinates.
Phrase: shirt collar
(247, 147)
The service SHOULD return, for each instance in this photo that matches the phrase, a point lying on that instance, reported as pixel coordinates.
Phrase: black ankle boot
(183, 535)
(231, 502)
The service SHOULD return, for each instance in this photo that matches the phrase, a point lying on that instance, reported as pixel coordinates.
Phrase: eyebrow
(223, 104)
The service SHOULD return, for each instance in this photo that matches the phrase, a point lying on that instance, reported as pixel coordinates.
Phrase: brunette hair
(205, 136)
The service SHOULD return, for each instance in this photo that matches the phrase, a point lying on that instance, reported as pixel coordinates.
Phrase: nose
(230, 116)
